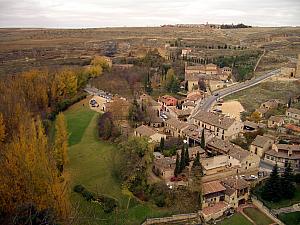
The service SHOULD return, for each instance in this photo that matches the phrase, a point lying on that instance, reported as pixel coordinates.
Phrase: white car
(253, 177)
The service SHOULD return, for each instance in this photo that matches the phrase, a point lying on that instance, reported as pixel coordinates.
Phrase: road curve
(206, 105)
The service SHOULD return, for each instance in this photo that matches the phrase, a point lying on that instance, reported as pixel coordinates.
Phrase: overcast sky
(105, 13)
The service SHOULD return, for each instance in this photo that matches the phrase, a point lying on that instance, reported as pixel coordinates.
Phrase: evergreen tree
(186, 155)
(162, 144)
(177, 168)
(202, 144)
(288, 187)
(197, 160)
(271, 191)
(182, 159)
(290, 103)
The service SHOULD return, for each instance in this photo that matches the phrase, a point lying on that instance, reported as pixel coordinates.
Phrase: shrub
(89, 196)
(78, 188)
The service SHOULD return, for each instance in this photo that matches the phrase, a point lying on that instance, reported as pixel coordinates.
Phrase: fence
(173, 218)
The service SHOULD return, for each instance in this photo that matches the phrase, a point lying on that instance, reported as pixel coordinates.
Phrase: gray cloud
(100, 13)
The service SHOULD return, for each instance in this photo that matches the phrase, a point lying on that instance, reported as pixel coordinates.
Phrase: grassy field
(257, 216)
(252, 98)
(236, 219)
(290, 218)
(91, 163)
(282, 203)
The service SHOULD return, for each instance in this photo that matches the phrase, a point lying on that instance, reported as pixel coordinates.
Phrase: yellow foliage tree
(102, 61)
(28, 173)
(61, 142)
(2, 128)
(255, 116)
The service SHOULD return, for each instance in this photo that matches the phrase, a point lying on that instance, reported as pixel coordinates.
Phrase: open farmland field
(22, 49)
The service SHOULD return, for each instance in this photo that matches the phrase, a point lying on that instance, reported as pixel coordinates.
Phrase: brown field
(22, 49)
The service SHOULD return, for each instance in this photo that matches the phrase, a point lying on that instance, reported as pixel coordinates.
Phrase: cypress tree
(197, 160)
(162, 144)
(202, 144)
(186, 155)
(287, 186)
(182, 159)
(177, 168)
(272, 189)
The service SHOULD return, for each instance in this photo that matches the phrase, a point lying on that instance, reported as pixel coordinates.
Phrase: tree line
(34, 145)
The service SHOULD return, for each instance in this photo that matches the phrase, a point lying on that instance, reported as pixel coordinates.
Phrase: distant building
(193, 151)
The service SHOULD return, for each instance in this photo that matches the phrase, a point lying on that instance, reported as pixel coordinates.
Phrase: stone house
(237, 156)
(212, 193)
(237, 191)
(164, 167)
(260, 145)
(166, 101)
(174, 127)
(193, 152)
(223, 127)
(145, 131)
(283, 154)
(178, 113)
(275, 121)
(293, 115)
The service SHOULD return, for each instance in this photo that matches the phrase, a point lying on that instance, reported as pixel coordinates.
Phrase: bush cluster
(108, 204)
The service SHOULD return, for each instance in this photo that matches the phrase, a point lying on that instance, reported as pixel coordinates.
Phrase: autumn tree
(255, 116)
(27, 159)
(61, 142)
(102, 61)
(2, 128)
(171, 82)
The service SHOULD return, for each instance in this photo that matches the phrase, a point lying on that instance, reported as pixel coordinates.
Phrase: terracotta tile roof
(222, 145)
(189, 104)
(238, 153)
(288, 147)
(220, 206)
(272, 152)
(234, 183)
(215, 119)
(293, 110)
(292, 127)
(212, 187)
(260, 141)
(145, 131)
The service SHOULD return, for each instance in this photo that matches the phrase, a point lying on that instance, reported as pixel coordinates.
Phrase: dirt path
(232, 109)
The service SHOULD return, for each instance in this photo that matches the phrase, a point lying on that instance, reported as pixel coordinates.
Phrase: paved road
(206, 105)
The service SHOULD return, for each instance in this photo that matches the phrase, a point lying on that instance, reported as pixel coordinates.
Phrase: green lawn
(258, 217)
(236, 219)
(78, 118)
(91, 163)
(282, 203)
(290, 218)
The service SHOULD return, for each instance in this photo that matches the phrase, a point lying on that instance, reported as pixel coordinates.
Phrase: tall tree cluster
(183, 161)
(279, 187)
